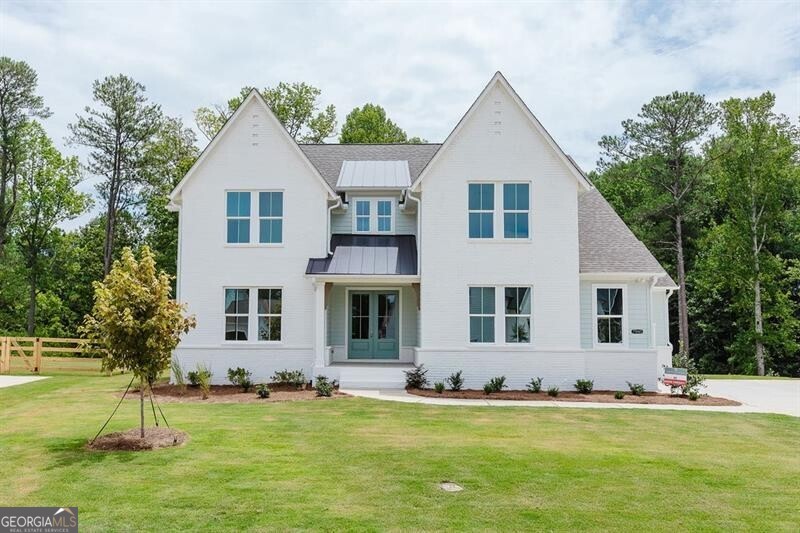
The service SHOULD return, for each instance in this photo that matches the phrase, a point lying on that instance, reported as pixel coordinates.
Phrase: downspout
(669, 293)
(650, 312)
(329, 227)
(419, 230)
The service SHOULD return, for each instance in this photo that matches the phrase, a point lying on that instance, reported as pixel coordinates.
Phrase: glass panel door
(360, 345)
(386, 345)
(374, 325)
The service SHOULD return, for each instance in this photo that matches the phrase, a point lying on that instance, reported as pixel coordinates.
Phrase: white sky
(582, 67)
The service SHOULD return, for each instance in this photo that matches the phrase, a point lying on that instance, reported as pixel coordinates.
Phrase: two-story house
(490, 253)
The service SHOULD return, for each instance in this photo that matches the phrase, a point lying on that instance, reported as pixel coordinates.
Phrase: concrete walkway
(781, 404)
(10, 381)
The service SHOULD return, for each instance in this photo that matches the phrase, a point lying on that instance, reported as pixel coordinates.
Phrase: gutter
(328, 223)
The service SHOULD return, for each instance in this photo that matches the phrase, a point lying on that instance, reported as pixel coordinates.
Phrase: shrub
(195, 377)
(694, 395)
(495, 384)
(415, 378)
(241, 377)
(324, 386)
(694, 380)
(178, 375)
(439, 387)
(535, 385)
(294, 378)
(637, 389)
(263, 391)
(204, 380)
(584, 386)
(619, 395)
(455, 381)
(552, 391)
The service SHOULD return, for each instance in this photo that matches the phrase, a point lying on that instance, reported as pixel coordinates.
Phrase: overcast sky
(581, 67)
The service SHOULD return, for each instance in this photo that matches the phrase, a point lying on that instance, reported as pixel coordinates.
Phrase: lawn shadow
(73, 452)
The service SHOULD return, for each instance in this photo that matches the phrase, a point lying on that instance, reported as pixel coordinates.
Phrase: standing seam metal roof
(374, 174)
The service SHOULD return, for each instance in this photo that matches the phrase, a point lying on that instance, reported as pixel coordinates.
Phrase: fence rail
(30, 350)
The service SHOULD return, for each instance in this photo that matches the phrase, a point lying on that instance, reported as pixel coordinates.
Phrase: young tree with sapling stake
(135, 321)
(47, 197)
(117, 133)
(19, 103)
(662, 148)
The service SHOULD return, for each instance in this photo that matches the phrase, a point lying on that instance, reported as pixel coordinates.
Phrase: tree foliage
(117, 133)
(296, 105)
(134, 320)
(19, 103)
(369, 124)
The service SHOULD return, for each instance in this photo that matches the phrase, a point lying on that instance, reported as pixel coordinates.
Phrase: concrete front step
(366, 375)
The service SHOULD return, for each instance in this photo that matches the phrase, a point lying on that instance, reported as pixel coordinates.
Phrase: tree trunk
(759, 318)
(683, 308)
(31, 306)
(109, 240)
(141, 409)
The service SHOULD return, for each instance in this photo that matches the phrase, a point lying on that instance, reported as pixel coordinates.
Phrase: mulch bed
(166, 393)
(570, 396)
(130, 440)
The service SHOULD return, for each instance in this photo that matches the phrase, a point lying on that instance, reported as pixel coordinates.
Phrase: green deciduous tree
(19, 103)
(756, 169)
(296, 105)
(47, 197)
(117, 133)
(369, 124)
(135, 321)
(662, 147)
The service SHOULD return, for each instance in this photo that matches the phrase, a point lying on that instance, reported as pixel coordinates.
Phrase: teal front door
(374, 325)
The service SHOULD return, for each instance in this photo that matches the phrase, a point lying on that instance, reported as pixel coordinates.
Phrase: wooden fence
(31, 349)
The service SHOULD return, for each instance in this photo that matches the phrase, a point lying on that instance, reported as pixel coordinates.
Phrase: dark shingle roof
(368, 255)
(328, 158)
(608, 245)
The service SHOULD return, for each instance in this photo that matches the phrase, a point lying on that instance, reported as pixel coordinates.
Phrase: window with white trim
(270, 217)
(516, 210)
(481, 210)
(481, 314)
(237, 212)
(609, 315)
(373, 215)
(269, 314)
(237, 308)
(518, 314)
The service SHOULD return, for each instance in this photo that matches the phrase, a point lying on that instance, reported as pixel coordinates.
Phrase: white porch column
(319, 324)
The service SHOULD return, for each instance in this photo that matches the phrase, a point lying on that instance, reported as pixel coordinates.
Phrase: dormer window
(373, 215)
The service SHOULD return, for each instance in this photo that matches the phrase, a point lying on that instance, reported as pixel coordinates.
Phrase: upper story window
(238, 216)
(373, 215)
(609, 315)
(241, 226)
(481, 210)
(516, 210)
(270, 217)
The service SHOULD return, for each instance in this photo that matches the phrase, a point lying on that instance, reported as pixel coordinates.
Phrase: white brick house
(491, 253)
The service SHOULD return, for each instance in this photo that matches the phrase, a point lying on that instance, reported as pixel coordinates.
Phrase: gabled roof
(499, 79)
(357, 255)
(328, 158)
(607, 245)
(373, 175)
(253, 95)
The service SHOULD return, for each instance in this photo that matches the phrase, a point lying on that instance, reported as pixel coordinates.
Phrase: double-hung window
(269, 314)
(373, 215)
(481, 314)
(481, 210)
(609, 315)
(238, 217)
(270, 217)
(237, 308)
(516, 210)
(518, 314)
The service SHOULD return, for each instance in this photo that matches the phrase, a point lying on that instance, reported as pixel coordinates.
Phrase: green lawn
(368, 465)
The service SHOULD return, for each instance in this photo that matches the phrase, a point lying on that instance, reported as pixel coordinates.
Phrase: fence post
(5, 353)
(37, 355)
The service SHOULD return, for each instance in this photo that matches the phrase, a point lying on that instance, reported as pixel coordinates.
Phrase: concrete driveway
(10, 381)
(780, 396)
